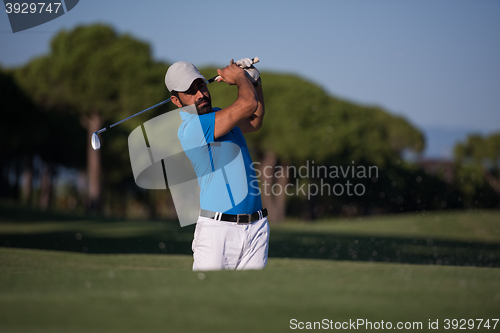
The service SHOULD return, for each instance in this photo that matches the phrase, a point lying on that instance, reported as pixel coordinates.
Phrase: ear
(176, 101)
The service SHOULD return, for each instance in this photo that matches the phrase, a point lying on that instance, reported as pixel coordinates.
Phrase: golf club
(96, 142)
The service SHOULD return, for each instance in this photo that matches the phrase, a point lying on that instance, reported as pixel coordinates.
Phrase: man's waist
(238, 218)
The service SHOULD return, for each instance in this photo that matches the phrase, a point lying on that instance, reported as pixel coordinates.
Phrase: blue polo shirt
(228, 183)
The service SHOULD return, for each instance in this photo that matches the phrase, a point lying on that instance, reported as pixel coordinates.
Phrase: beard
(202, 109)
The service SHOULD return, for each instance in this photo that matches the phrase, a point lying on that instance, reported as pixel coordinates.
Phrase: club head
(96, 143)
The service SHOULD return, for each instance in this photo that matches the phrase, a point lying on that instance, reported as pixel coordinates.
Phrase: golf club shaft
(132, 116)
(254, 60)
(145, 110)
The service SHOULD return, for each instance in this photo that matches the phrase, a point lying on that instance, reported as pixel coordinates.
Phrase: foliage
(477, 163)
(102, 77)
(481, 151)
(93, 68)
(18, 112)
(28, 130)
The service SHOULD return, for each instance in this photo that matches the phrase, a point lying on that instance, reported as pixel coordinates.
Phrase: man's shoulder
(191, 125)
(189, 115)
(197, 128)
(191, 121)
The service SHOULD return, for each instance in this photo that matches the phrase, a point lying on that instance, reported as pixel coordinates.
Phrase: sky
(434, 62)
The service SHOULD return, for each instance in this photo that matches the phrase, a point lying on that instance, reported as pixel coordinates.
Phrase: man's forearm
(254, 122)
(246, 92)
(261, 107)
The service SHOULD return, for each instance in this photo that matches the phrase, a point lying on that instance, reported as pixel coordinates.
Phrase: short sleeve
(196, 130)
(207, 122)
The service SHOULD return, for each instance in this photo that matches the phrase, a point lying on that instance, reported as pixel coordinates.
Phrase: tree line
(94, 76)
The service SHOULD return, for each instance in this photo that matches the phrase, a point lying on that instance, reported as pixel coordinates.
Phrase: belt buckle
(238, 218)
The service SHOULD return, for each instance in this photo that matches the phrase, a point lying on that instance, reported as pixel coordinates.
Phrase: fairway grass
(61, 273)
(483, 226)
(49, 291)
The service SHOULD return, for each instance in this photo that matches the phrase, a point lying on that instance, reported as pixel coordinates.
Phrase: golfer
(232, 231)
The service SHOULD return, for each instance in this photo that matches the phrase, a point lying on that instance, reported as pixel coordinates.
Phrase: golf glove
(247, 65)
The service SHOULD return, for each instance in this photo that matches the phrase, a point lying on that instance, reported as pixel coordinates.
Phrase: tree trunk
(272, 188)
(93, 124)
(17, 179)
(27, 181)
(45, 187)
(4, 183)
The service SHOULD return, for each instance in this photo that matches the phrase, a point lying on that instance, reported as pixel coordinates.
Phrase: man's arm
(246, 103)
(254, 122)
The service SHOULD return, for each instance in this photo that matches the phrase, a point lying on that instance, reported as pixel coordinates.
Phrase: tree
(483, 155)
(99, 75)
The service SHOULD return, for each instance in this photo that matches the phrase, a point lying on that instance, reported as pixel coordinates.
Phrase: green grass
(44, 291)
(481, 226)
(136, 275)
(450, 238)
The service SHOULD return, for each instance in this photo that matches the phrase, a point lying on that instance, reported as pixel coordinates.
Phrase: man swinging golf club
(234, 237)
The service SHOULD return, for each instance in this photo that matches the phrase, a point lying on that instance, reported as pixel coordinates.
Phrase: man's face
(198, 95)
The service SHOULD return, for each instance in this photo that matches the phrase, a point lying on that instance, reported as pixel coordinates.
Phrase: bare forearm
(255, 121)
(248, 98)
(261, 110)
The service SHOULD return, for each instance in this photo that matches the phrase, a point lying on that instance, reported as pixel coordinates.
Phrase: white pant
(221, 245)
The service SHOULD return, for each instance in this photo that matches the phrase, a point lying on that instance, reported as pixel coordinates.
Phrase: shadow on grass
(169, 238)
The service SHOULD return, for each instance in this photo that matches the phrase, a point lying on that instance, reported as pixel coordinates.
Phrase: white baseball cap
(181, 75)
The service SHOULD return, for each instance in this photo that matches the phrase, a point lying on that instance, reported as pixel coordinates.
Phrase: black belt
(239, 218)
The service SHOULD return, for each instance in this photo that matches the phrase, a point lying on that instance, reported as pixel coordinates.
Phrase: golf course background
(84, 249)
(93, 76)
(114, 275)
